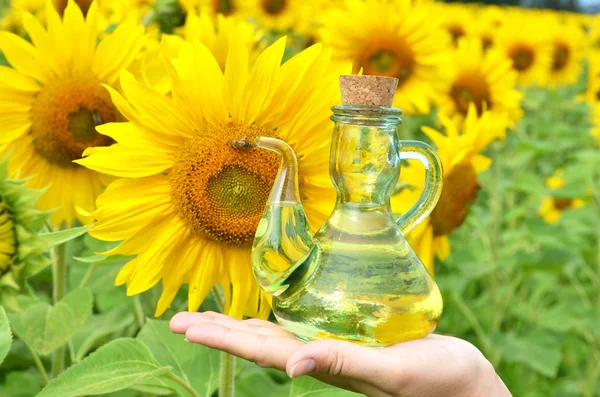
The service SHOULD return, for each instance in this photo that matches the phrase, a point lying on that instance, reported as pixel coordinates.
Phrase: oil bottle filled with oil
(357, 279)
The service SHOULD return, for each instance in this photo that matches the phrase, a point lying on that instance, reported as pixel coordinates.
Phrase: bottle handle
(432, 189)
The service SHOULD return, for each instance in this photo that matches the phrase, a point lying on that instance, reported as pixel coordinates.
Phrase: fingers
(337, 358)
(264, 349)
(181, 322)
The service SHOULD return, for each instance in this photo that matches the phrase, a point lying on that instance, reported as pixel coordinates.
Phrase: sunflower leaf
(5, 335)
(305, 386)
(100, 326)
(56, 238)
(196, 365)
(46, 327)
(115, 366)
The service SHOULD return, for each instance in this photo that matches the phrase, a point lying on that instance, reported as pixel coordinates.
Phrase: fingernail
(185, 339)
(304, 367)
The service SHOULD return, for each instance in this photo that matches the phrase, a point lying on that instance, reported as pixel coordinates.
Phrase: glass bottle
(357, 279)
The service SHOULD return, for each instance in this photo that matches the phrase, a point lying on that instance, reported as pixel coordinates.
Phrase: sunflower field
(123, 202)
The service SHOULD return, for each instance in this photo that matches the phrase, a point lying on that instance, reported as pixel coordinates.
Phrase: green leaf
(45, 328)
(5, 335)
(100, 326)
(115, 366)
(20, 384)
(196, 365)
(62, 236)
(256, 382)
(102, 260)
(538, 350)
(305, 386)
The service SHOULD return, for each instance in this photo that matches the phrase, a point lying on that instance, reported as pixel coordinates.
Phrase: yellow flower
(215, 33)
(392, 39)
(12, 15)
(52, 100)
(277, 15)
(485, 79)
(117, 11)
(188, 204)
(211, 7)
(489, 19)
(552, 207)
(592, 92)
(594, 32)
(457, 20)
(567, 52)
(526, 43)
(460, 152)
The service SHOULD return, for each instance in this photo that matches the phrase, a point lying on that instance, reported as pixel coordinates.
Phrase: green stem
(38, 364)
(183, 384)
(88, 275)
(59, 280)
(478, 328)
(218, 299)
(139, 311)
(227, 379)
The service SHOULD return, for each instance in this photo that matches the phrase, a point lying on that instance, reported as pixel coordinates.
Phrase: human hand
(429, 367)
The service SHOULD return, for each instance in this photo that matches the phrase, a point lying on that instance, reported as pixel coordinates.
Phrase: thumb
(338, 358)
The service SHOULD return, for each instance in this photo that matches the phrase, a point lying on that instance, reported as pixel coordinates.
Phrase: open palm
(429, 367)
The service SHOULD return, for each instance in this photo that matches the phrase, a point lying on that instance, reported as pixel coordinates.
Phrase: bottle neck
(365, 154)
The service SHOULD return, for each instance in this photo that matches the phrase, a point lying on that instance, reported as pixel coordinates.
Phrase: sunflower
(117, 11)
(276, 15)
(214, 33)
(594, 32)
(188, 203)
(211, 7)
(489, 20)
(52, 100)
(457, 20)
(459, 151)
(568, 49)
(394, 39)
(61, 5)
(552, 207)
(592, 92)
(12, 15)
(21, 250)
(527, 45)
(485, 79)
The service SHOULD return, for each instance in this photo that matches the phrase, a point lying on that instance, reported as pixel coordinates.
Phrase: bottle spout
(285, 188)
(283, 240)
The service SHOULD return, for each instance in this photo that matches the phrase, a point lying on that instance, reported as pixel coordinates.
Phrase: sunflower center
(396, 61)
(456, 31)
(224, 7)
(274, 7)
(62, 4)
(560, 57)
(219, 191)
(522, 58)
(459, 193)
(562, 203)
(486, 42)
(470, 88)
(8, 239)
(65, 115)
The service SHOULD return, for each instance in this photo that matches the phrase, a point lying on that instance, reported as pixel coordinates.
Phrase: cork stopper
(368, 90)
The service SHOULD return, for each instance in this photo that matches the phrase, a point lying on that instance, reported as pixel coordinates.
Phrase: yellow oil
(360, 281)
